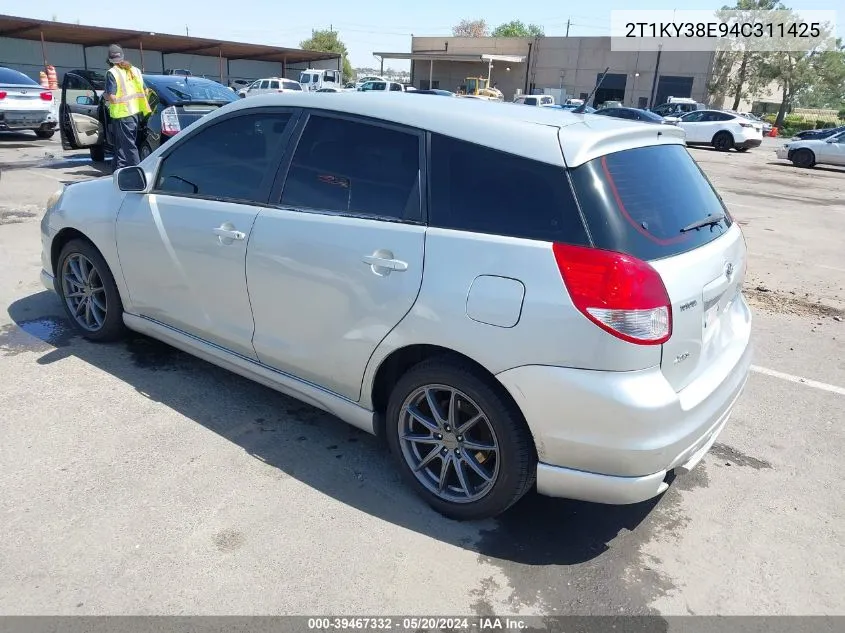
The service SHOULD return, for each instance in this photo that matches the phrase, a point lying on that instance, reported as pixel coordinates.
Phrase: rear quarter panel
(550, 330)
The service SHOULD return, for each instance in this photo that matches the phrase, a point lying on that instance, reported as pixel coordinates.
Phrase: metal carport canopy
(65, 33)
(451, 57)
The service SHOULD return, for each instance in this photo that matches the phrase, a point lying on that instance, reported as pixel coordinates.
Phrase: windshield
(187, 89)
(637, 201)
(305, 78)
(9, 76)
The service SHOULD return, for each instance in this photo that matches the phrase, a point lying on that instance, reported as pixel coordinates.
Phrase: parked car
(269, 85)
(610, 104)
(633, 114)
(811, 152)
(25, 105)
(722, 130)
(535, 100)
(312, 79)
(176, 102)
(574, 106)
(381, 86)
(183, 72)
(366, 78)
(330, 90)
(365, 256)
(814, 135)
(238, 84)
(767, 127)
(677, 108)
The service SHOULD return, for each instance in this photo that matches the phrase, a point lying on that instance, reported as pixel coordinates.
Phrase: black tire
(804, 158)
(516, 460)
(144, 151)
(98, 154)
(45, 133)
(723, 141)
(112, 327)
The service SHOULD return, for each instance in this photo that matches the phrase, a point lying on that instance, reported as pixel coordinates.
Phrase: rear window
(637, 201)
(291, 85)
(9, 76)
(478, 189)
(190, 89)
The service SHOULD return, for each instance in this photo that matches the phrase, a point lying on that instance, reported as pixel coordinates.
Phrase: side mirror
(131, 179)
(85, 100)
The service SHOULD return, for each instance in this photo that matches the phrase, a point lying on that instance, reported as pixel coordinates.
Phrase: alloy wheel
(84, 292)
(449, 443)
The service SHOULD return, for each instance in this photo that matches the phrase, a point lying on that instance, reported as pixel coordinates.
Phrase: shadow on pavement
(784, 163)
(315, 447)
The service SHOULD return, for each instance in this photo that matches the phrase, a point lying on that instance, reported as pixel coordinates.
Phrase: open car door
(79, 114)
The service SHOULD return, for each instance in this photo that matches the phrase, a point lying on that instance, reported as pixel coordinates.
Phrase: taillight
(621, 294)
(746, 125)
(170, 121)
(46, 96)
(3, 94)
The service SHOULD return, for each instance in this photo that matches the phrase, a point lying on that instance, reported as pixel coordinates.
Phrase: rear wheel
(804, 158)
(98, 154)
(88, 292)
(723, 141)
(45, 133)
(459, 442)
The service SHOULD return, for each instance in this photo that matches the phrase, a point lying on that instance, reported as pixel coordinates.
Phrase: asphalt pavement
(136, 479)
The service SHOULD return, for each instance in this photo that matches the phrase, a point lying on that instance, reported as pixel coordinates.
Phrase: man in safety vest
(128, 107)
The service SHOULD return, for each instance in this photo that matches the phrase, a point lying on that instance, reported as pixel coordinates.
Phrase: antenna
(580, 108)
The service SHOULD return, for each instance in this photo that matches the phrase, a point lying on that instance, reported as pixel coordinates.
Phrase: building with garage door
(29, 46)
(570, 65)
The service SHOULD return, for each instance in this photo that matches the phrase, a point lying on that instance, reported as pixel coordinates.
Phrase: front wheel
(804, 158)
(459, 441)
(723, 141)
(89, 293)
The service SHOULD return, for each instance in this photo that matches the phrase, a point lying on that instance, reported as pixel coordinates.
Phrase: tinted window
(351, 167)
(637, 201)
(693, 117)
(265, 84)
(531, 101)
(182, 90)
(291, 85)
(474, 188)
(274, 85)
(9, 76)
(396, 87)
(225, 160)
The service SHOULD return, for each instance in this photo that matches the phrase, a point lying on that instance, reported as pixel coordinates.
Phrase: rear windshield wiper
(710, 220)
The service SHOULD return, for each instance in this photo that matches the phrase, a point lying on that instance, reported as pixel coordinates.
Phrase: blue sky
(365, 26)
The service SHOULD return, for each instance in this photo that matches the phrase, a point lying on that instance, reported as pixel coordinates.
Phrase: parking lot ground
(139, 480)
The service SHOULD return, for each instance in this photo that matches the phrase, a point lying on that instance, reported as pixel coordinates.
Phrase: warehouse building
(571, 65)
(29, 46)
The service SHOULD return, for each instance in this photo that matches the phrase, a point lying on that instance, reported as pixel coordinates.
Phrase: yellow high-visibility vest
(130, 98)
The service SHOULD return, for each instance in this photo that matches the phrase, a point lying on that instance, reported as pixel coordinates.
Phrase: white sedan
(722, 130)
(828, 151)
(25, 105)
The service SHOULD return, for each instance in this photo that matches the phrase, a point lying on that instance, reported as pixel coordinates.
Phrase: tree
(516, 28)
(471, 28)
(737, 69)
(828, 88)
(327, 41)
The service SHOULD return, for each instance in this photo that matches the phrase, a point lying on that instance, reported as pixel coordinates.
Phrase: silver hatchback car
(508, 296)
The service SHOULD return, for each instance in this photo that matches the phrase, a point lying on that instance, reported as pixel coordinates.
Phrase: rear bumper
(748, 143)
(27, 121)
(612, 437)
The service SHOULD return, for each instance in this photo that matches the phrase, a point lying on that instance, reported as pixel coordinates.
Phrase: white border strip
(798, 379)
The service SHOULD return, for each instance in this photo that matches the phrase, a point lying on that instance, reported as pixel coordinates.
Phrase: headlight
(54, 199)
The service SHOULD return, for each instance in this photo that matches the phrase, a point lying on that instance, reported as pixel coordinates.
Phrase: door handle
(229, 234)
(383, 262)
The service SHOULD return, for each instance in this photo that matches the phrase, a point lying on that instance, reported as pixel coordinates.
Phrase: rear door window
(355, 168)
(638, 201)
(475, 188)
(265, 84)
(274, 85)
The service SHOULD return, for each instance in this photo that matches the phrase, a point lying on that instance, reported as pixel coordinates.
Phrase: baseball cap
(115, 54)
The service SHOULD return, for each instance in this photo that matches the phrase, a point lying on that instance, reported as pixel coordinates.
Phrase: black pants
(125, 133)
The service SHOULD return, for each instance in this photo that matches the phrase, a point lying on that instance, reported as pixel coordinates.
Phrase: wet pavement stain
(14, 217)
(586, 558)
(730, 455)
(35, 335)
